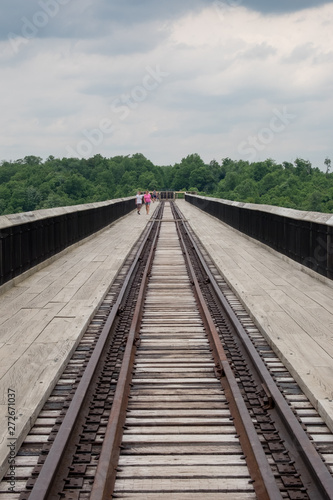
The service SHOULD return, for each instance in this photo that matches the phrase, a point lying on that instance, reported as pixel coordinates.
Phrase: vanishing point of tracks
(173, 393)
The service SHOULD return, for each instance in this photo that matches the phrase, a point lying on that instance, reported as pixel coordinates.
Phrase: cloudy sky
(245, 79)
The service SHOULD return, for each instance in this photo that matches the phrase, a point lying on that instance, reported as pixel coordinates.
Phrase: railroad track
(181, 404)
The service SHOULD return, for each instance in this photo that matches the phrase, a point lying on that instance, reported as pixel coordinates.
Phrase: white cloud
(219, 75)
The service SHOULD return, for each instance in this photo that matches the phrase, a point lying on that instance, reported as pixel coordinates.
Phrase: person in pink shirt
(147, 200)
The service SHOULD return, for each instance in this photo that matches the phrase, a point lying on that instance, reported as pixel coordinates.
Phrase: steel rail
(320, 474)
(261, 472)
(47, 475)
(107, 465)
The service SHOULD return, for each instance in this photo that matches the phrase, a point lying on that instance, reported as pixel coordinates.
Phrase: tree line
(32, 184)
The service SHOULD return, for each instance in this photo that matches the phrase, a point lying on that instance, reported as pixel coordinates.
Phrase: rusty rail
(47, 476)
(261, 472)
(313, 463)
(108, 460)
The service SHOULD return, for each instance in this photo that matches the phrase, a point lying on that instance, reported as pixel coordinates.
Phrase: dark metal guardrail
(306, 237)
(167, 195)
(25, 243)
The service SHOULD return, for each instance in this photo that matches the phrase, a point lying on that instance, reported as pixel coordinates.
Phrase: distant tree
(216, 171)
(227, 162)
(328, 165)
(314, 202)
(32, 160)
(231, 181)
(202, 178)
(147, 181)
(303, 167)
(260, 170)
(247, 189)
(32, 199)
(289, 167)
(268, 182)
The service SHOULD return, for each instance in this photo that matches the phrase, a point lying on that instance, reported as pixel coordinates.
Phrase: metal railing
(294, 234)
(24, 244)
(167, 195)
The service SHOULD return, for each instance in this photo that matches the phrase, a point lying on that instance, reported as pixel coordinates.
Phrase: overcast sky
(245, 79)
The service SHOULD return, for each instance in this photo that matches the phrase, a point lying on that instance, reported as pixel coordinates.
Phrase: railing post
(330, 252)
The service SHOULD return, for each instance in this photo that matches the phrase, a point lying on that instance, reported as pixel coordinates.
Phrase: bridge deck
(42, 317)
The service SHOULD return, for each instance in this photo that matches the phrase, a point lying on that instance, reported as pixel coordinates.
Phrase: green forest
(32, 184)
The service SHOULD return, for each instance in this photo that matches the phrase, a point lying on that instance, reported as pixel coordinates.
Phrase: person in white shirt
(138, 201)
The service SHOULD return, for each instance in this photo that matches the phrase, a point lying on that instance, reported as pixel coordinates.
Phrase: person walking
(138, 201)
(154, 196)
(147, 200)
